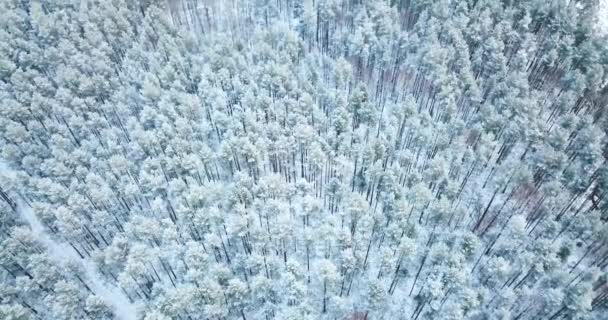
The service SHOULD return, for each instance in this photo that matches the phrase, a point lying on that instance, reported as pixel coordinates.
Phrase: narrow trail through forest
(62, 253)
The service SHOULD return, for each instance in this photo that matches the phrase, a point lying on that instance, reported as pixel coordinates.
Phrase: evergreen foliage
(303, 159)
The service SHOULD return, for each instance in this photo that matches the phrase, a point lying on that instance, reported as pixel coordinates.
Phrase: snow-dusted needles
(312, 159)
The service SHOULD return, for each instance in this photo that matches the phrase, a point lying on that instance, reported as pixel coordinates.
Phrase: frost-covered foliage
(326, 159)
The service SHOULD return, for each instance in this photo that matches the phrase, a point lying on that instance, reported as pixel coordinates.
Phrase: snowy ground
(603, 17)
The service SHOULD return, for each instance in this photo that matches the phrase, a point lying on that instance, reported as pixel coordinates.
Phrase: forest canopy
(303, 159)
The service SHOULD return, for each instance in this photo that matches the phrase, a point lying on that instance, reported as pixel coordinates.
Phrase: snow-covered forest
(303, 159)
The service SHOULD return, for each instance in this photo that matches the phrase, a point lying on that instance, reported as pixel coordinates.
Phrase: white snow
(62, 252)
(603, 17)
